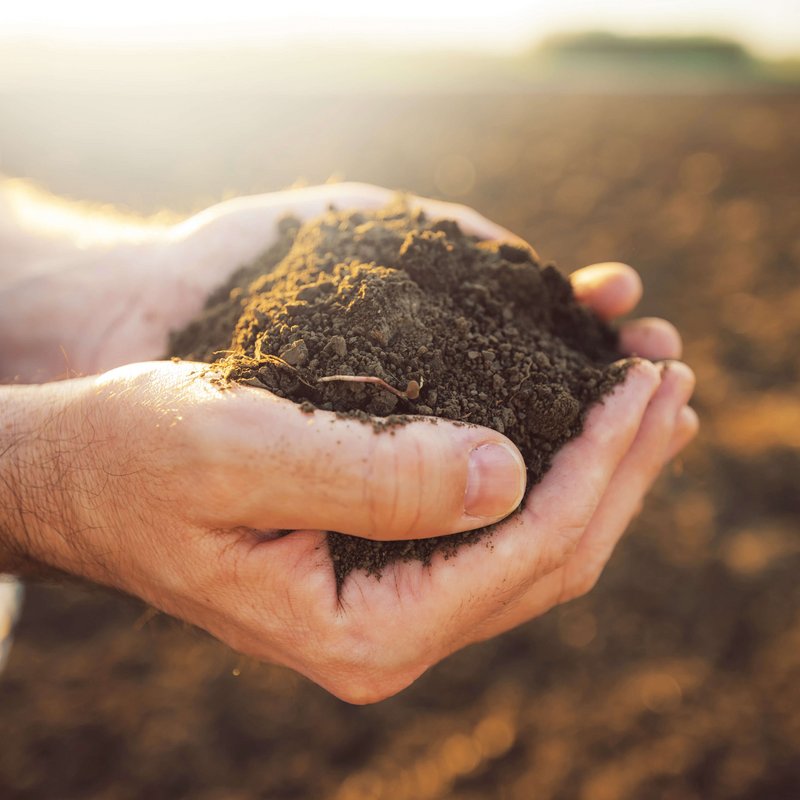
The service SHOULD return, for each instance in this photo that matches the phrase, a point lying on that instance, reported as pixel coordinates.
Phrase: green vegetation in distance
(594, 61)
(659, 57)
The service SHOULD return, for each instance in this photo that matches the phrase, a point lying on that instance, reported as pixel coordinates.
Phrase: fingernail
(495, 482)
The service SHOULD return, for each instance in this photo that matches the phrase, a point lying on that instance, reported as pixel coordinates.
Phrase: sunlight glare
(771, 26)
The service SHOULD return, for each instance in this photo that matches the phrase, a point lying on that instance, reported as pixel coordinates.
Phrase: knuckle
(355, 191)
(648, 477)
(565, 543)
(393, 489)
(361, 688)
(469, 213)
(358, 673)
(559, 543)
(586, 583)
(581, 584)
(600, 435)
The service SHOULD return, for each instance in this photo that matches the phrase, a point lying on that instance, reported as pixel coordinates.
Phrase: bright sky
(771, 27)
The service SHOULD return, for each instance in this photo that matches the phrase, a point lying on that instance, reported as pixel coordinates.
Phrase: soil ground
(678, 677)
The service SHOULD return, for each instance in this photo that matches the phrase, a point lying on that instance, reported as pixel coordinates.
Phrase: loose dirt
(442, 324)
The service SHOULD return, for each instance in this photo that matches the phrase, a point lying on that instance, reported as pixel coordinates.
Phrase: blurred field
(678, 678)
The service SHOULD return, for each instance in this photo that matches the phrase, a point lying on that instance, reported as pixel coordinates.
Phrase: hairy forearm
(18, 477)
(35, 453)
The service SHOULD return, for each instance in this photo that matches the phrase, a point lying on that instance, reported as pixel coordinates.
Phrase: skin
(150, 479)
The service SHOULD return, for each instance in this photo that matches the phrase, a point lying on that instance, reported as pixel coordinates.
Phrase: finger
(621, 502)
(235, 232)
(362, 195)
(314, 200)
(685, 430)
(254, 218)
(469, 220)
(459, 593)
(348, 195)
(283, 468)
(650, 337)
(636, 472)
(306, 201)
(609, 289)
(311, 201)
(559, 509)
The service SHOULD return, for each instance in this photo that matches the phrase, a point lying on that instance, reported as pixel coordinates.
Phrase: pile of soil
(473, 331)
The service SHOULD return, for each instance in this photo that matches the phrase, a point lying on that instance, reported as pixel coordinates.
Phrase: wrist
(39, 457)
(40, 232)
(73, 317)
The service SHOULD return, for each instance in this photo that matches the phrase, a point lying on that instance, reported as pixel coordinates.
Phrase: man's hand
(89, 308)
(151, 479)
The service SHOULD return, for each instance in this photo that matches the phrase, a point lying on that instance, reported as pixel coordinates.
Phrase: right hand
(151, 479)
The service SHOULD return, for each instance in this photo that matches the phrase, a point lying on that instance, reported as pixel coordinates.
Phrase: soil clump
(478, 332)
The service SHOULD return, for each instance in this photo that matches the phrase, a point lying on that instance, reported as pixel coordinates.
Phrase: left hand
(110, 307)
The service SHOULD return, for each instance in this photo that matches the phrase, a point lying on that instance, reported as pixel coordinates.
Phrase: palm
(552, 551)
(131, 306)
(135, 308)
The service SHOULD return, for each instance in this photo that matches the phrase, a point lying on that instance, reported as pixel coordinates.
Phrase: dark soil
(472, 331)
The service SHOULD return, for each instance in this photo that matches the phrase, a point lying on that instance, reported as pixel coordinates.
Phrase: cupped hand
(127, 300)
(170, 488)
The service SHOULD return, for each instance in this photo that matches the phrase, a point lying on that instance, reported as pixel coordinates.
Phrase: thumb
(299, 470)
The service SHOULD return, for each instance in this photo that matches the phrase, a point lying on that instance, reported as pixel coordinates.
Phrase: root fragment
(411, 392)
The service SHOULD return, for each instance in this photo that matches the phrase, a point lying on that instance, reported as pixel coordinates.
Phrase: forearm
(67, 274)
(36, 454)
(40, 233)
(58, 324)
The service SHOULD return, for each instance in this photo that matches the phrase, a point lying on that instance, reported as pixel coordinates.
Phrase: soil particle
(473, 331)
(296, 354)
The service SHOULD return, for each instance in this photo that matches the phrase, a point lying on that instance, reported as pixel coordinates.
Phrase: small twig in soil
(411, 392)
